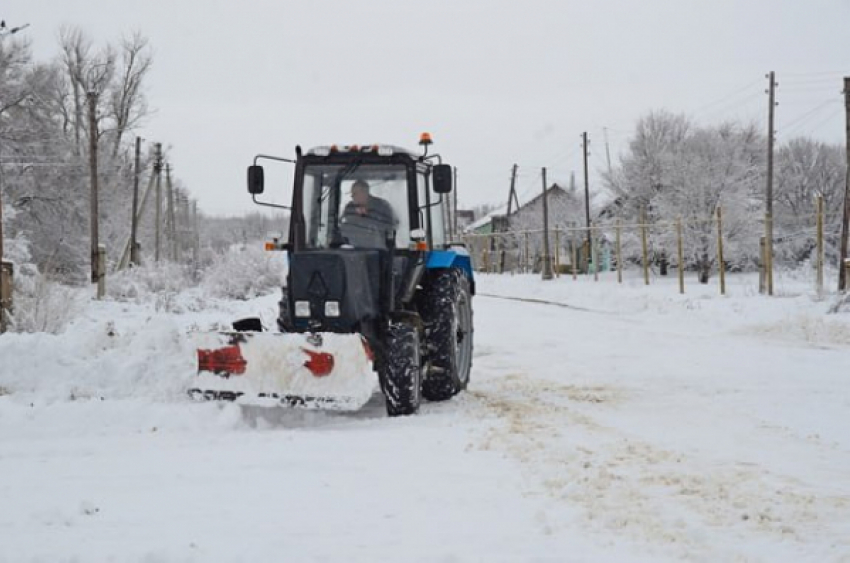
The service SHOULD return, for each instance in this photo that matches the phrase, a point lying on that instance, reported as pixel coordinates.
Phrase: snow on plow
(313, 371)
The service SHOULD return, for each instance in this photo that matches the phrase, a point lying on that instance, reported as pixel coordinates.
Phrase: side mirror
(255, 179)
(442, 178)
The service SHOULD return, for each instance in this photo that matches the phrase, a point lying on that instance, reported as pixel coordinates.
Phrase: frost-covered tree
(806, 169)
(677, 170)
(32, 157)
(44, 145)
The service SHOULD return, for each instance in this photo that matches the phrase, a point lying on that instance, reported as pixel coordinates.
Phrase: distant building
(566, 209)
(464, 219)
(484, 225)
(566, 215)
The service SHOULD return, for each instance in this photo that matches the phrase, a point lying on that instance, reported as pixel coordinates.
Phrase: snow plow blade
(312, 371)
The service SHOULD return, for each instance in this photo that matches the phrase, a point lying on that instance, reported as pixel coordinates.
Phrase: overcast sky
(495, 83)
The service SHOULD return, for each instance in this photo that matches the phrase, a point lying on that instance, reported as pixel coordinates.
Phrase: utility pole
(768, 224)
(842, 266)
(170, 222)
(184, 223)
(512, 194)
(2, 288)
(92, 100)
(2, 303)
(607, 150)
(157, 169)
(196, 239)
(547, 259)
(134, 245)
(587, 199)
(125, 257)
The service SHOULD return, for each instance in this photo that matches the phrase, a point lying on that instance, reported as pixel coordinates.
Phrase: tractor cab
(375, 197)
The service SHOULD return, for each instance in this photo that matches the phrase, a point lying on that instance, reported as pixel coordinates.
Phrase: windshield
(360, 206)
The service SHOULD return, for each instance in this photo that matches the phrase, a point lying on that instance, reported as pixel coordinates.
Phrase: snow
(613, 423)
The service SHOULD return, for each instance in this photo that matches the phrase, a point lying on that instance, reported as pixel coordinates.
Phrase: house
(522, 246)
(487, 224)
(464, 219)
(566, 209)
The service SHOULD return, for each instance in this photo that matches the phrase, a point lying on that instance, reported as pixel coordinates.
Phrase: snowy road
(637, 425)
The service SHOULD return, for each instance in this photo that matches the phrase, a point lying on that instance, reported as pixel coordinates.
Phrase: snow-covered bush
(140, 283)
(245, 273)
(41, 304)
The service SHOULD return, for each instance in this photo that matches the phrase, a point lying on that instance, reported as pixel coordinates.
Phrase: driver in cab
(367, 221)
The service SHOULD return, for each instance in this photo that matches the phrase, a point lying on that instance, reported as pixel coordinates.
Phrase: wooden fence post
(574, 257)
(820, 247)
(7, 271)
(526, 267)
(681, 253)
(101, 271)
(557, 252)
(619, 256)
(643, 244)
(720, 266)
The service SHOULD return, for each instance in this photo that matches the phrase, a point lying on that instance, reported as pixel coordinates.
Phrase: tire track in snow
(544, 302)
(628, 487)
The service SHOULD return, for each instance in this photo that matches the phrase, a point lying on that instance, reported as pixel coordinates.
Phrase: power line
(821, 123)
(732, 104)
(727, 97)
(529, 187)
(819, 73)
(802, 119)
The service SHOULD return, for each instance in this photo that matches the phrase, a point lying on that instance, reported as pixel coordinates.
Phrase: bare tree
(84, 71)
(127, 104)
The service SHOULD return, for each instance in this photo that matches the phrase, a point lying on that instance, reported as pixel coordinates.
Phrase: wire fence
(701, 246)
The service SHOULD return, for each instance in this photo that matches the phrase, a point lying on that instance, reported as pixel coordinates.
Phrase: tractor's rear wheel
(401, 373)
(447, 313)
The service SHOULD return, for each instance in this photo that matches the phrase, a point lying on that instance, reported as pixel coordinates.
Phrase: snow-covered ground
(604, 422)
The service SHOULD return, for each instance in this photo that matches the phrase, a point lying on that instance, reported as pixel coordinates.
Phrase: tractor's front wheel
(401, 374)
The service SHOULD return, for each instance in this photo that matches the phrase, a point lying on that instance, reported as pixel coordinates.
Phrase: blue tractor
(374, 287)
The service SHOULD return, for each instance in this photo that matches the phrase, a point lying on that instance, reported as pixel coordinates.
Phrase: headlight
(302, 308)
(331, 308)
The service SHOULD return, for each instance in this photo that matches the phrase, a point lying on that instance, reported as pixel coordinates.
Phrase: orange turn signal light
(274, 245)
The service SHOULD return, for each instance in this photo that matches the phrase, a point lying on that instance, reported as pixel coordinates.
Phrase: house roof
(486, 218)
(549, 190)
